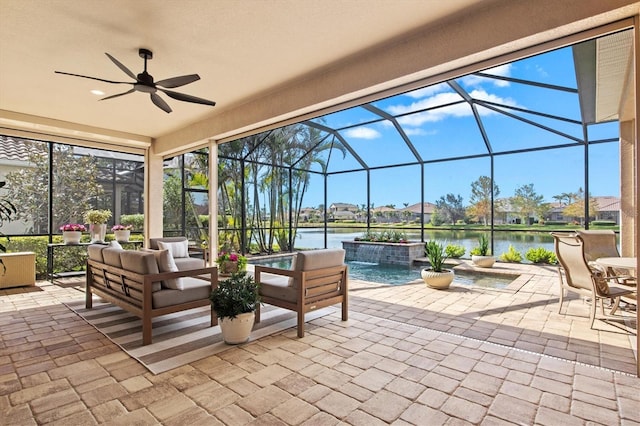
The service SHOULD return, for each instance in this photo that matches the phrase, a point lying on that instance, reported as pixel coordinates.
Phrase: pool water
(396, 274)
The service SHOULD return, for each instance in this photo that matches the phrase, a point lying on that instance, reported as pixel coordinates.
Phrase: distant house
(608, 209)
(385, 214)
(343, 211)
(416, 211)
(308, 213)
(14, 156)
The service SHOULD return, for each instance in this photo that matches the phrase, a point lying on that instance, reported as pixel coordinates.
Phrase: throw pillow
(167, 264)
(177, 249)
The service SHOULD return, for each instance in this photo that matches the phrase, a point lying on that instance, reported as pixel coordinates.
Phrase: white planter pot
(483, 261)
(237, 330)
(437, 280)
(71, 237)
(97, 231)
(122, 236)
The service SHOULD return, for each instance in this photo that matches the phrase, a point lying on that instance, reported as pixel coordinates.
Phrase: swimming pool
(395, 274)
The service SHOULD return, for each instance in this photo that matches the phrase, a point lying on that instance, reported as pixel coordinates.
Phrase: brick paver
(408, 355)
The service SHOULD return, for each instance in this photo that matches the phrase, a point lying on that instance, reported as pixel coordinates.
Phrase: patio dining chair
(576, 275)
(602, 243)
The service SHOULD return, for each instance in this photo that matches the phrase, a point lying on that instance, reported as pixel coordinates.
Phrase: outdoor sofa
(147, 283)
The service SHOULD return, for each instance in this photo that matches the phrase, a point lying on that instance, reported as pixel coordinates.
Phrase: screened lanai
(515, 150)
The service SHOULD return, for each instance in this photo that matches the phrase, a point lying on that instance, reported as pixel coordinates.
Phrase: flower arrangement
(122, 227)
(228, 257)
(97, 216)
(73, 227)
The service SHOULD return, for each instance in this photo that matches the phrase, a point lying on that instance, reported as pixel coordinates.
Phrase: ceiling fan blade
(119, 94)
(188, 98)
(170, 83)
(93, 78)
(122, 67)
(160, 103)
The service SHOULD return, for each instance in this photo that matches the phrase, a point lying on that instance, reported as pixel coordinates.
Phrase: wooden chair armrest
(276, 271)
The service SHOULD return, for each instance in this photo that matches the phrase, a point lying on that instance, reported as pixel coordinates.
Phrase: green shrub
(137, 220)
(555, 222)
(603, 223)
(511, 256)
(541, 255)
(454, 251)
(383, 237)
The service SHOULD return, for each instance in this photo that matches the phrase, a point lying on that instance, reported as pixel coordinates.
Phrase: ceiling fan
(144, 83)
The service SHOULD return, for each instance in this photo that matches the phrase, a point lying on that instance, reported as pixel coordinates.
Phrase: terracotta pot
(237, 330)
(437, 280)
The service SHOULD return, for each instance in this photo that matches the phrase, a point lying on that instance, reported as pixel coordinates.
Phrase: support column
(213, 199)
(628, 179)
(153, 196)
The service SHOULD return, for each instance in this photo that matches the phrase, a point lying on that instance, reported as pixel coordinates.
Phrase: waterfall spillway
(370, 253)
(383, 253)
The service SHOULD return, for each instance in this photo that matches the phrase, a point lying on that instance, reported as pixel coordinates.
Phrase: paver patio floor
(407, 355)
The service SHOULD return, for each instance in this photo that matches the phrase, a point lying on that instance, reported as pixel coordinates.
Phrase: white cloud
(412, 122)
(484, 96)
(418, 131)
(542, 72)
(501, 70)
(362, 133)
(428, 91)
(439, 99)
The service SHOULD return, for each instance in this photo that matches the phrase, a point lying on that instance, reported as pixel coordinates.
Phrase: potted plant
(480, 254)
(72, 232)
(97, 220)
(235, 300)
(229, 263)
(122, 232)
(436, 276)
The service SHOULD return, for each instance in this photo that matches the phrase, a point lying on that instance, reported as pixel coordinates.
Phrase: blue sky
(452, 131)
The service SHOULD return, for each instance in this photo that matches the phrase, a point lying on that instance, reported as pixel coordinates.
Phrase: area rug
(179, 338)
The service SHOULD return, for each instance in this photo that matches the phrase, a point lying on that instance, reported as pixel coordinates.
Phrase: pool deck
(409, 355)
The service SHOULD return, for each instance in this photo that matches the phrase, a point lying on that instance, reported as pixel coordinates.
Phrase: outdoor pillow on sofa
(178, 249)
(167, 264)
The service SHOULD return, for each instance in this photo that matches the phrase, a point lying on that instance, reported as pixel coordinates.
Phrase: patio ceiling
(263, 62)
(240, 49)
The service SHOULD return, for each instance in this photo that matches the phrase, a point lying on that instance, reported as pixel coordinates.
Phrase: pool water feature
(396, 274)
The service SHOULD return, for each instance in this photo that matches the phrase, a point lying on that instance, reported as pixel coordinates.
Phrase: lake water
(522, 241)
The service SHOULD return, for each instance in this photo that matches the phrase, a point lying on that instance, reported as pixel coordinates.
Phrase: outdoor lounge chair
(577, 276)
(317, 279)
